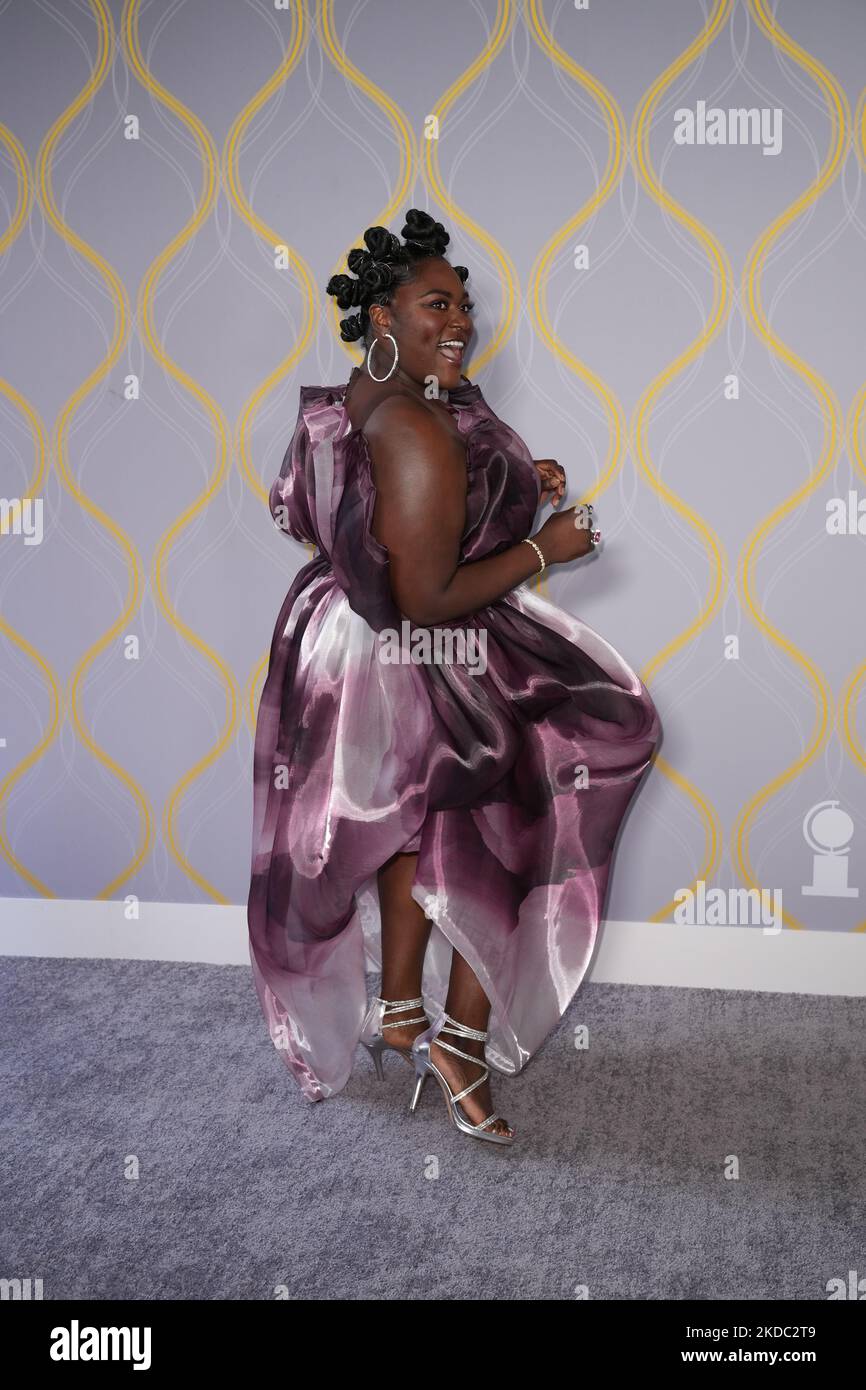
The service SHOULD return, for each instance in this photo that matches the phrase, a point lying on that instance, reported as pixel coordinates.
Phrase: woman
(445, 809)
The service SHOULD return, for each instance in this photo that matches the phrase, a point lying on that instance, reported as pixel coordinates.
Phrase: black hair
(384, 267)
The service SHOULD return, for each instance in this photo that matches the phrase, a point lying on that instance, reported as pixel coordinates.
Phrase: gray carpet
(246, 1191)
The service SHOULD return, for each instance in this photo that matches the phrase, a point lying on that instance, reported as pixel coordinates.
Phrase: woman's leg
(468, 1003)
(405, 933)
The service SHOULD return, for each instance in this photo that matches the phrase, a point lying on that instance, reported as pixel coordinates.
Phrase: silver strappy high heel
(424, 1065)
(372, 1031)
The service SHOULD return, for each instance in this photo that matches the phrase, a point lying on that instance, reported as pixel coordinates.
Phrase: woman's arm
(419, 470)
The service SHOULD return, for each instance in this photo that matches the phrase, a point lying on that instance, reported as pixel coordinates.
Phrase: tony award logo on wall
(827, 830)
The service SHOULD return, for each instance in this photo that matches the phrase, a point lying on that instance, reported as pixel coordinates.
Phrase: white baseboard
(81, 927)
(635, 953)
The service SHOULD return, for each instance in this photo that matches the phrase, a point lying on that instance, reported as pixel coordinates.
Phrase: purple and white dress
(509, 773)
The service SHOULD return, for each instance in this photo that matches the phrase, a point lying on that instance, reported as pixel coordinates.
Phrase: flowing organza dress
(510, 775)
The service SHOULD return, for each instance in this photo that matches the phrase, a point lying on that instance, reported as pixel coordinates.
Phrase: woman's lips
(453, 354)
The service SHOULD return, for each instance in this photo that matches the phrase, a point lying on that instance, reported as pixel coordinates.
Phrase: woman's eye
(468, 307)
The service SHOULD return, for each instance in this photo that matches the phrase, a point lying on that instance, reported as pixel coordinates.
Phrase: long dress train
(509, 767)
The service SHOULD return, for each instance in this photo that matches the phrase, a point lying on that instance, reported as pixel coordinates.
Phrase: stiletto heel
(420, 1078)
(372, 1032)
(375, 1051)
(424, 1065)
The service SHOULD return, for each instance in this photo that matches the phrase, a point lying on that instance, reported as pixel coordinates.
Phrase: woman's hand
(568, 535)
(552, 475)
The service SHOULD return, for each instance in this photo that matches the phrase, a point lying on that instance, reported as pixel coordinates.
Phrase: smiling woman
(454, 822)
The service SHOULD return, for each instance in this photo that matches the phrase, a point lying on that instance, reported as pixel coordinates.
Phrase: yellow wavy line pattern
(303, 274)
(115, 287)
(543, 265)
(853, 431)
(146, 296)
(405, 142)
(722, 281)
(851, 691)
(503, 24)
(24, 199)
(840, 117)
(240, 201)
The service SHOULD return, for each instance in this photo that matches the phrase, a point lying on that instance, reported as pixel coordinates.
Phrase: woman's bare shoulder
(400, 420)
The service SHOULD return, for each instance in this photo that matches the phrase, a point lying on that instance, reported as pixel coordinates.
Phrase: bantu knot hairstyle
(384, 266)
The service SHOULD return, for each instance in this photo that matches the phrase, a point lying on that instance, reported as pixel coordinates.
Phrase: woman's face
(431, 318)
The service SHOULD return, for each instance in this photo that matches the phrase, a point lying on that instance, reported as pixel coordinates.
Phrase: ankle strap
(399, 1006)
(461, 1030)
(396, 1005)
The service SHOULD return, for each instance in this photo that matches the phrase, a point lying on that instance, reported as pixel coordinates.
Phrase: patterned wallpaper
(661, 206)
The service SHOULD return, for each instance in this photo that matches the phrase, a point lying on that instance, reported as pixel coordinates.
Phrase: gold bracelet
(537, 549)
